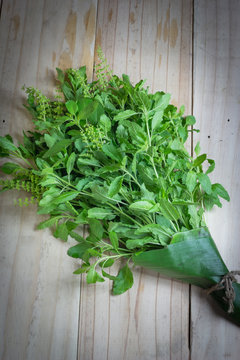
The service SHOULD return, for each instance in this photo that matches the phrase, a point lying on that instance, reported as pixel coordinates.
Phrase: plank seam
(1, 5)
(192, 106)
(84, 226)
(95, 50)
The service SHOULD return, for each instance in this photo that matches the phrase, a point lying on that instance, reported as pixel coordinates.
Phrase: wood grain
(45, 312)
(217, 107)
(39, 298)
(152, 40)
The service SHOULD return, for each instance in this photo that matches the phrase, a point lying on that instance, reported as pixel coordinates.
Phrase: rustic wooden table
(188, 48)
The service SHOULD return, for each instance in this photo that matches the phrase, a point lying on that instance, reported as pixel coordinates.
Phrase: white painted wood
(151, 320)
(39, 297)
(217, 108)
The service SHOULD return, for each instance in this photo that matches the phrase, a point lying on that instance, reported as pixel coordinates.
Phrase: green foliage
(110, 155)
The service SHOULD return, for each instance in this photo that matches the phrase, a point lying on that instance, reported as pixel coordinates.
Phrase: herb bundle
(111, 155)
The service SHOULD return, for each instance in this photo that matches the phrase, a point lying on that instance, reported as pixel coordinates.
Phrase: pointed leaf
(72, 107)
(191, 180)
(114, 239)
(93, 276)
(205, 182)
(124, 115)
(115, 186)
(57, 147)
(142, 205)
(219, 190)
(168, 210)
(100, 213)
(70, 163)
(123, 281)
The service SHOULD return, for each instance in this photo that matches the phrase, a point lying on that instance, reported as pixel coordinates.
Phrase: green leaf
(105, 123)
(134, 164)
(93, 276)
(183, 133)
(211, 200)
(72, 107)
(183, 202)
(66, 197)
(70, 163)
(60, 75)
(114, 239)
(76, 236)
(8, 145)
(141, 205)
(161, 100)
(108, 276)
(162, 231)
(194, 218)
(190, 120)
(96, 228)
(87, 161)
(157, 119)
(100, 213)
(132, 244)
(46, 209)
(147, 195)
(78, 251)
(61, 232)
(205, 182)
(123, 281)
(112, 151)
(197, 148)
(94, 252)
(9, 168)
(124, 115)
(168, 210)
(41, 164)
(176, 145)
(138, 135)
(84, 268)
(57, 147)
(49, 222)
(49, 181)
(67, 91)
(82, 217)
(106, 263)
(218, 189)
(211, 166)
(50, 140)
(89, 109)
(191, 180)
(115, 186)
(199, 160)
(110, 168)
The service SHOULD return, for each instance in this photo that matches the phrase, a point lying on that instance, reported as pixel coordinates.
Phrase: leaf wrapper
(192, 257)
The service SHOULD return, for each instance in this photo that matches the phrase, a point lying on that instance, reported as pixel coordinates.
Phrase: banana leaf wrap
(193, 257)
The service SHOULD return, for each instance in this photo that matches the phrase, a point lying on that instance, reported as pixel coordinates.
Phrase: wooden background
(188, 48)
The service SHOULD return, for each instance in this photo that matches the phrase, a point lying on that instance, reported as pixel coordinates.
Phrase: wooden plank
(146, 39)
(217, 107)
(39, 297)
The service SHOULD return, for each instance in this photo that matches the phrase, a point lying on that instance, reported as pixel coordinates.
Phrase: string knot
(226, 284)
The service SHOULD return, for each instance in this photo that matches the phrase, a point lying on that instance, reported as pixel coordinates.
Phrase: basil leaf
(100, 213)
(115, 186)
(168, 210)
(123, 281)
(205, 182)
(57, 147)
(141, 205)
(218, 189)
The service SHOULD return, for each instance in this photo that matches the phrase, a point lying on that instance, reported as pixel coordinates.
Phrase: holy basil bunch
(111, 156)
